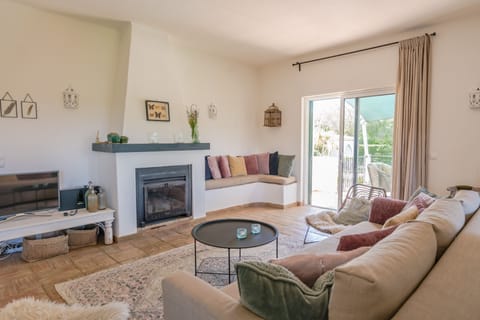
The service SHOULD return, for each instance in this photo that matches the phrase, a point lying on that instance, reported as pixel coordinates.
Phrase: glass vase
(195, 135)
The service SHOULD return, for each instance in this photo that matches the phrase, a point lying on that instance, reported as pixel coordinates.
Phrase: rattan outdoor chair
(356, 191)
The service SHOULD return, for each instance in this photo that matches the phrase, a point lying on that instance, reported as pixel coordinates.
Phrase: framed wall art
(8, 106)
(157, 110)
(29, 108)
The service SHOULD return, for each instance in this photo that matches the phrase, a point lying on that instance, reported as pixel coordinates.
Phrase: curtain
(410, 151)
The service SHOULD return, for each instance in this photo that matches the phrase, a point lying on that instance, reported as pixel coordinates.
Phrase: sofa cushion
(309, 267)
(214, 168)
(208, 173)
(285, 165)
(273, 292)
(224, 166)
(469, 199)
(447, 218)
(367, 239)
(405, 215)
(422, 198)
(237, 166)
(273, 163)
(355, 210)
(276, 179)
(385, 208)
(374, 285)
(263, 163)
(251, 163)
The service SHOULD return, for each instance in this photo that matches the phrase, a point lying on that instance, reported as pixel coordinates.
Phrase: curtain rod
(299, 64)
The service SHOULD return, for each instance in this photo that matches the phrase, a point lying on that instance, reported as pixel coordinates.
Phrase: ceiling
(262, 31)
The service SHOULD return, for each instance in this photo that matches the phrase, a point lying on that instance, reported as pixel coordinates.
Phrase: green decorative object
(192, 115)
(123, 139)
(113, 137)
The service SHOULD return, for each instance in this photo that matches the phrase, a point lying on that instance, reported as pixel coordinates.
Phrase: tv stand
(42, 222)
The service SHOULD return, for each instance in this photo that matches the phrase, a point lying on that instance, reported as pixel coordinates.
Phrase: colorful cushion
(355, 210)
(251, 164)
(408, 214)
(368, 239)
(237, 166)
(214, 169)
(273, 292)
(208, 173)
(308, 267)
(376, 284)
(385, 208)
(263, 163)
(224, 166)
(422, 201)
(285, 165)
(273, 163)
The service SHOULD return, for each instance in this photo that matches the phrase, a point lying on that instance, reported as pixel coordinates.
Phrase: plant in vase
(192, 115)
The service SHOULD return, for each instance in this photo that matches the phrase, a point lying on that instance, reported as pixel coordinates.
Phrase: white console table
(32, 224)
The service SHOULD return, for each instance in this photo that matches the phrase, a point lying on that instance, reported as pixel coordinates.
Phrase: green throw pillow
(285, 165)
(273, 292)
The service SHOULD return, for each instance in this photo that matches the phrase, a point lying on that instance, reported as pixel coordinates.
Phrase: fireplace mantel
(148, 147)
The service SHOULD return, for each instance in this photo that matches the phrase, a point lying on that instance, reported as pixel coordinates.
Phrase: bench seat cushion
(239, 180)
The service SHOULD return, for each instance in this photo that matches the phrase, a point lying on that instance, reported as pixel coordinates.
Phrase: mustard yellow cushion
(409, 214)
(237, 166)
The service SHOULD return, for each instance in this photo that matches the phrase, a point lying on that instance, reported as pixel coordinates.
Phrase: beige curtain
(410, 152)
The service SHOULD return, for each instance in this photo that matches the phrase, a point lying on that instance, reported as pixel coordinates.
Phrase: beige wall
(161, 68)
(42, 54)
(456, 71)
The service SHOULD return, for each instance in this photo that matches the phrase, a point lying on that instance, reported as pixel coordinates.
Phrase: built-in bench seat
(276, 191)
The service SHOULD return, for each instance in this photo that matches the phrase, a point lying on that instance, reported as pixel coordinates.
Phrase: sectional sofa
(428, 268)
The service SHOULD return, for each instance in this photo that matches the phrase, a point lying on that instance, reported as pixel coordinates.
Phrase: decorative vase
(195, 135)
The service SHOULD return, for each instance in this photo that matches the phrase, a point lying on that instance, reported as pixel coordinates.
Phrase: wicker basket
(48, 246)
(87, 236)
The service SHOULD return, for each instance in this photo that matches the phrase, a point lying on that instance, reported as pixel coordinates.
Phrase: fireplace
(163, 193)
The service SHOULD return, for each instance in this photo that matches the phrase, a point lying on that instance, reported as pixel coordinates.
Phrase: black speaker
(72, 198)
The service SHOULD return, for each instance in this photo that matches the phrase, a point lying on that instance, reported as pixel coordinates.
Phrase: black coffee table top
(223, 233)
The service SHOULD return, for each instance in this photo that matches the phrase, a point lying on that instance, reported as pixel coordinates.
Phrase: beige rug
(139, 283)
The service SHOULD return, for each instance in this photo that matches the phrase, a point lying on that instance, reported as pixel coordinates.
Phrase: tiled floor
(20, 279)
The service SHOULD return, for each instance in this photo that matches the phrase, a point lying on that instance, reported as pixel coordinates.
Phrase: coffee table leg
(277, 247)
(239, 254)
(195, 255)
(228, 265)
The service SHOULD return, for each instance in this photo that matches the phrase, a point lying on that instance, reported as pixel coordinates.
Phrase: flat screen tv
(28, 192)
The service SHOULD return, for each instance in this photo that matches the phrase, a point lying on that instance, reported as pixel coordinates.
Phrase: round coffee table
(223, 234)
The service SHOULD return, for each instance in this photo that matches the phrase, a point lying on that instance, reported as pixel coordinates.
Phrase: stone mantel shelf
(148, 147)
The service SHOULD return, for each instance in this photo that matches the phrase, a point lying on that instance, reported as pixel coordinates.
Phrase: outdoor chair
(355, 191)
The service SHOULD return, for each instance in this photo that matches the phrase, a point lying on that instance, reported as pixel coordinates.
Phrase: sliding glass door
(350, 141)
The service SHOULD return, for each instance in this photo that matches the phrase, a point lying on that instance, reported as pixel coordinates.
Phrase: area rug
(139, 283)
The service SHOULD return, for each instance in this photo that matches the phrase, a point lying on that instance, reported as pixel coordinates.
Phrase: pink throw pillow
(263, 160)
(251, 163)
(422, 201)
(224, 167)
(214, 169)
(368, 239)
(384, 208)
(308, 267)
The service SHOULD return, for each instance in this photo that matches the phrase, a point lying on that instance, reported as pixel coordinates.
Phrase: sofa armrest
(187, 297)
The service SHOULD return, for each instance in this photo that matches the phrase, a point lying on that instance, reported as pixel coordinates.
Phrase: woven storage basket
(87, 236)
(37, 249)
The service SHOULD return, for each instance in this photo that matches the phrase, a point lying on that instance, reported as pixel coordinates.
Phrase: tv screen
(27, 192)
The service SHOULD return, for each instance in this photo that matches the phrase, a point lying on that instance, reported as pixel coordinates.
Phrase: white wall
(161, 68)
(456, 71)
(42, 54)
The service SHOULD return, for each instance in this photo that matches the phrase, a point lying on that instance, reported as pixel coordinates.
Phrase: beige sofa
(426, 269)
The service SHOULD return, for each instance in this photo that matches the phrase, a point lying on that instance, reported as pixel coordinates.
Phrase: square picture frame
(8, 107)
(29, 110)
(157, 110)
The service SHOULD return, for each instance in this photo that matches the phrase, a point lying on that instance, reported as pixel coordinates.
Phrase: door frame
(306, 152)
